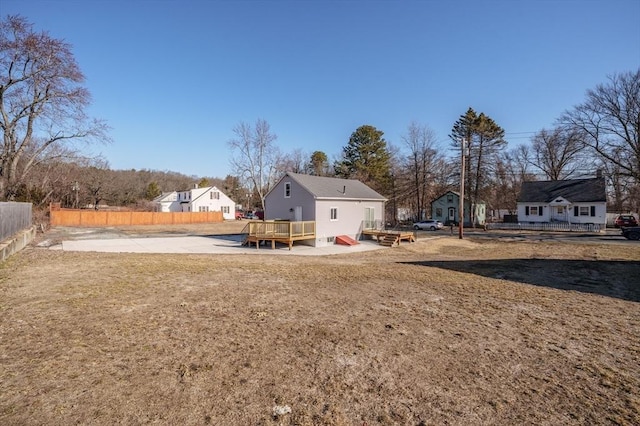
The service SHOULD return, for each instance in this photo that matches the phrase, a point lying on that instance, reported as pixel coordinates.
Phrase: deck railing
(282, 229)
(373, 224)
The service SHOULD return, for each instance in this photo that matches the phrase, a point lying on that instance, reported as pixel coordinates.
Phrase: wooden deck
(279, 232)
(390, 238)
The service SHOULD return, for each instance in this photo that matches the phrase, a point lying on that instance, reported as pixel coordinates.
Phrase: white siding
(599, 208)
(537, 217)
(351, 214)
(213, 200)
(279, 207)
(198, 199)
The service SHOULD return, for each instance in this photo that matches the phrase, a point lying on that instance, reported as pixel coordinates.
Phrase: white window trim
(287, 186)
(331, 210)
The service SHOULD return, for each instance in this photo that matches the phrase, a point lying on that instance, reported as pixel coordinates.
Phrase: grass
(439, 331)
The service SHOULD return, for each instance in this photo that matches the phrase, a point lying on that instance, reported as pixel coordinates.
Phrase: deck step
(390, 240)
(346, 241)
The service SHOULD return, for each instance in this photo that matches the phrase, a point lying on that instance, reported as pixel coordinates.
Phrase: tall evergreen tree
(484, 140)
(318, 164)
(367, 159)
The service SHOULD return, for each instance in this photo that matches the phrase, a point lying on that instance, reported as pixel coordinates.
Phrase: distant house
(570, 201)
(445, 209)
(338, 206)
(205, 199)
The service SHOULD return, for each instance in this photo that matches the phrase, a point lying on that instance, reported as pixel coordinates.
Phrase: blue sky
(173, 78)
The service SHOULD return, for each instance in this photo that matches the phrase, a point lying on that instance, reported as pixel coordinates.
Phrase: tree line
(43, 107)
(597, 137)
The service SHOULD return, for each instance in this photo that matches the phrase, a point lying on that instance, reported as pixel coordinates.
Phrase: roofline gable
(295, 177)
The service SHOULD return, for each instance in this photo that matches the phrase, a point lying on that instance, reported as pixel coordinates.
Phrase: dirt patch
(437, 332)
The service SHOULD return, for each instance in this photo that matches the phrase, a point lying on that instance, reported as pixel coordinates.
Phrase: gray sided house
(445, 209)
(568, 201)
(338, 206)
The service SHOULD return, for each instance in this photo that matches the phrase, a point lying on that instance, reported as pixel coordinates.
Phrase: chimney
(195, 186)
(599, 173)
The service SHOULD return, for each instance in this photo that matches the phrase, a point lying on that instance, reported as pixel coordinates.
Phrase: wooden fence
(14, 217)
(72, 217)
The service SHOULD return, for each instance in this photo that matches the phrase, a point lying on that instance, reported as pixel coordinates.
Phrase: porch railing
(282, 229)
(377, 225)
(547, 226)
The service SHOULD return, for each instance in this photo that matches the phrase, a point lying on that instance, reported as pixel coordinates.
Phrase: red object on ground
(346, 241)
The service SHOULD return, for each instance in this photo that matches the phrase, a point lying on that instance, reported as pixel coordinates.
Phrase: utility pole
(463, 144)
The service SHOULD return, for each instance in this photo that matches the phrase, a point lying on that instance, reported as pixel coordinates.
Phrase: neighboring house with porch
(445, 209)
(570, 201)
(338, 206)
(205, 199)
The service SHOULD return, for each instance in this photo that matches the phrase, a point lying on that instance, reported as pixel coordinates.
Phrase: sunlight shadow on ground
(619, 279)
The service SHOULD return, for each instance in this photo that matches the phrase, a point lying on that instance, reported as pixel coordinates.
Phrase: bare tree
(609, 121)
(420, 141)
(255, 156)
(557, 153)
(294, 161)
(42, 101)
(510, 170)
(520, 160)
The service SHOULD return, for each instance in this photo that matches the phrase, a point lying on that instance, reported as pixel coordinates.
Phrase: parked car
(428, 224)
(631, 233)
(625, 220)
(239, 215)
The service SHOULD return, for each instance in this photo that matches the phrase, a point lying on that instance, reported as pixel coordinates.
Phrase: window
(450, 198)
(438, 211)
(334, 213)
(214, 195)
(584, 210)
(287, 190)
(225, 209)
(203, 208)
(533, 211)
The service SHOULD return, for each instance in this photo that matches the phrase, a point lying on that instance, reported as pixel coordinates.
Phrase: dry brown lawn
(436, 332)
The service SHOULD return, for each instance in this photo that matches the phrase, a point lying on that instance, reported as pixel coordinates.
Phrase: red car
(625, 220)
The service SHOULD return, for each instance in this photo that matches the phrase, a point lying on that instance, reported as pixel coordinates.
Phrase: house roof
(322, 187)
(457, 194)
(162, 196)
(572, 190)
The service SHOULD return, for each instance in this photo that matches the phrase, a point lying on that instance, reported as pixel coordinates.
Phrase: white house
(338, 206)
(206, 199)
(569, 201)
